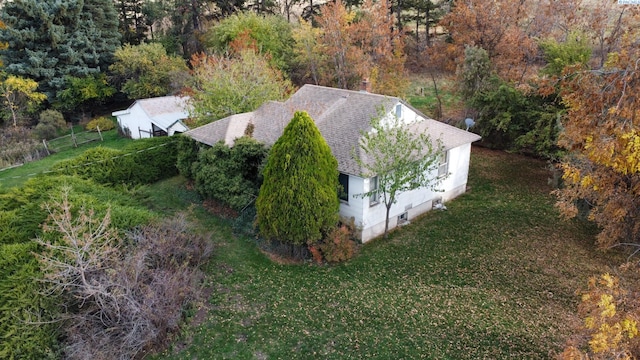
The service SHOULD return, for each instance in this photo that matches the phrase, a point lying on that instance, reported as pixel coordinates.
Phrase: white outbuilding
(159, 116)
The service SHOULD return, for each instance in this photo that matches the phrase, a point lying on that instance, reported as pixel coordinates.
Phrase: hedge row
(140, 162)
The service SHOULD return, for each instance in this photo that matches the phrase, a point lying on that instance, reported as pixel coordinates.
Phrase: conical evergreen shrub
(298, 200)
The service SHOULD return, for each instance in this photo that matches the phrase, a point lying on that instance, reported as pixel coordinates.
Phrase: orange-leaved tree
(353, 45)
(345, 61)
(500, 28)
(602, 136)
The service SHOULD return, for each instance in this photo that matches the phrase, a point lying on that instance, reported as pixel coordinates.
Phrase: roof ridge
(358, 92)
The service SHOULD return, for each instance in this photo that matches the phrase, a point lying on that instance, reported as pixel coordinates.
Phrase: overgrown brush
(122, 295)
(17, 147)
(103, 123)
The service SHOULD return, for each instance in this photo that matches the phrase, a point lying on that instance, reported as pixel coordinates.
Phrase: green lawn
(422, 96)
(493, 277)
(16, 176)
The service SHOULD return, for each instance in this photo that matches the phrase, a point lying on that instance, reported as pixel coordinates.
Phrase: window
(403, 218)
(374, 198)
(399, 111)
(443, 164)
(343, 192)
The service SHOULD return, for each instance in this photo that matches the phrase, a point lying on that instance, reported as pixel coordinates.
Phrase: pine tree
(103, 34)
(298, 199)
(50, 40)
(132, 22)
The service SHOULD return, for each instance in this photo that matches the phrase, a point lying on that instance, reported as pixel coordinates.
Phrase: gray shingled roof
(341, 116)
(165, 110)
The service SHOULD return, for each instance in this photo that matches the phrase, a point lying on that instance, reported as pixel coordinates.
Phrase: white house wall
(178, 127)
(416, 202)
(136, 119)
(455, 184)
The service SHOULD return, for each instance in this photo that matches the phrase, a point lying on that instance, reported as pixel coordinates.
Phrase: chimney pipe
(365, 86)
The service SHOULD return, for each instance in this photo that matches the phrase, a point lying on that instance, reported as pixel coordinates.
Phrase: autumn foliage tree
(602, 134)
(354, 45)
(498, 27)
(19, 96)
(610, 312)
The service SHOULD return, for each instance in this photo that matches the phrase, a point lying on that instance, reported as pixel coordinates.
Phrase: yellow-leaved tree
(602, 136)
(20, 95)
(610, 329)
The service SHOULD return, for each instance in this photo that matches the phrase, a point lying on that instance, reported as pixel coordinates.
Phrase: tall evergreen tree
(101, 21)
(132, 23)
(50, 40)
(298, 199)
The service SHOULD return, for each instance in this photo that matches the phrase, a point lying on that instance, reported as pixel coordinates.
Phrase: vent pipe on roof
(365, 86)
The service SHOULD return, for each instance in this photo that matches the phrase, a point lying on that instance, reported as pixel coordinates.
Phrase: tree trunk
(426, 25)
(418, 29)
(437, 93)
(386, 223)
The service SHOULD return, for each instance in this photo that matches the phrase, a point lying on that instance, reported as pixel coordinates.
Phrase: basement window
(403, 218)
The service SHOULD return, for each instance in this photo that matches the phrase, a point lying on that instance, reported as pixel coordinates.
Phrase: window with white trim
(443, 164)
(374, 197)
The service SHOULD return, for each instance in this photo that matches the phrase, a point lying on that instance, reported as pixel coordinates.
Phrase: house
(159, 116)
(341, 116)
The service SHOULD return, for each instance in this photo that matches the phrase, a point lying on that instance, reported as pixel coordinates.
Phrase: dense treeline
(120, 49)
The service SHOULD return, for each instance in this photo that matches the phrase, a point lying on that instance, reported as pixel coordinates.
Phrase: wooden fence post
(45, 146)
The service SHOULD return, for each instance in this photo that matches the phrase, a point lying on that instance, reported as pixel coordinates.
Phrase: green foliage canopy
(512, 120)
(143, 71)
(81, 90)
(476, 71)
(272, 35)
(573, 51)
(141, 162)
(298, 200)
(223, 86)
(385, 146)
